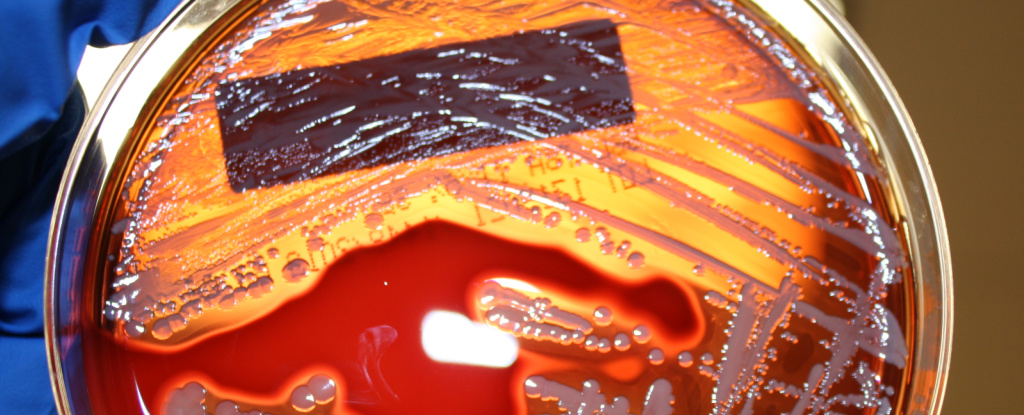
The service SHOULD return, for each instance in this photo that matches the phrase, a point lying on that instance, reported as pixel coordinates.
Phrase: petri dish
(546, 207)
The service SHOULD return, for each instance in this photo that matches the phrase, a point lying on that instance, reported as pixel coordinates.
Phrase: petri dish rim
(813, 28)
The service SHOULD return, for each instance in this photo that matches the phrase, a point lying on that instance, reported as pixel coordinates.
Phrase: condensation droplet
(227, 301)
(656, 356)
(209, 301)
(583, 235)
(226, 408)
(602, 234)
(273, 253)
(315, 244)
(604, 345)
(635, 260)
(373, 221)
(552, 219)
(707, 358)
(323, 388)
(302, 399)
(698, 270)
(110, 313)
(622, 342)
(642, 334)
(194, 391)
(685, 359)
(296, 270)
(607, 247)
(143, 317)
(260, 287)
(532, 386)
(186, 401)
(591, 342)
(177, 322)
(602, 316)
(134, 329)
(622, 249)
(163, 328)
(578, 336)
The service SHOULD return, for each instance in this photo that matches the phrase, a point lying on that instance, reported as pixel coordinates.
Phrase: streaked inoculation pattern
(604, 207)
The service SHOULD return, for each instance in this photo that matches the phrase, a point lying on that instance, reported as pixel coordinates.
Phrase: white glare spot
(452, 338)
(518, 285)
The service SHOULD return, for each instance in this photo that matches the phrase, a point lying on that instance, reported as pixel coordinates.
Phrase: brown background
(958, 67)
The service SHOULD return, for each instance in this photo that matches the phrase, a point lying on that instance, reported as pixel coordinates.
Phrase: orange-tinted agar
(730, 250)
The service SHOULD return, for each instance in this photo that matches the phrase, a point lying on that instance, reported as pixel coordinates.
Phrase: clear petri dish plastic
(501, 207)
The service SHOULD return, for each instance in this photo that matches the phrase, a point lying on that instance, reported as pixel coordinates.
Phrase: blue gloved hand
(41, 45)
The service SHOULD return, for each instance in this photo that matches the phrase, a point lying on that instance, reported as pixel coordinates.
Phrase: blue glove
(41, 44)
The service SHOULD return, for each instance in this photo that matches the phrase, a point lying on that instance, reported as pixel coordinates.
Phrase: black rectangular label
(530, 86)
